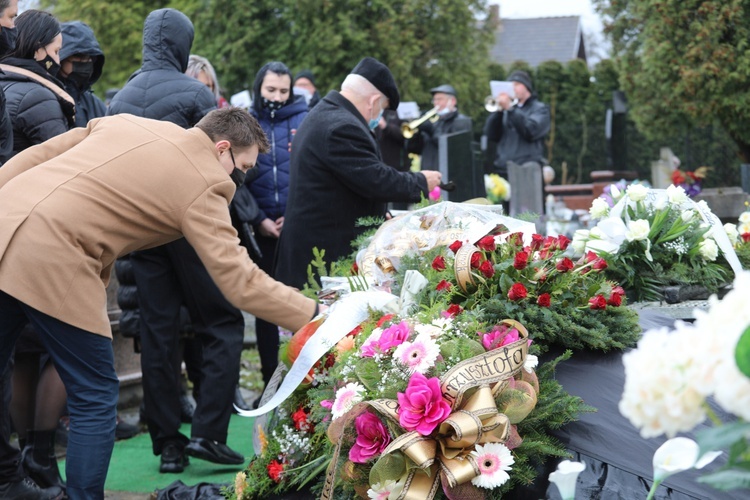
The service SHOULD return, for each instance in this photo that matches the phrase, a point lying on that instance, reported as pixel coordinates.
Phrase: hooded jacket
(160, 89)
(270, 184)
(37, 105)
(79, 39)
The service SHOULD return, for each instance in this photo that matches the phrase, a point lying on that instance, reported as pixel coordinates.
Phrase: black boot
(239, 401)
(40, 462)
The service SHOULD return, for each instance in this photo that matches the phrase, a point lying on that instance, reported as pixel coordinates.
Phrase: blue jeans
(85, 362)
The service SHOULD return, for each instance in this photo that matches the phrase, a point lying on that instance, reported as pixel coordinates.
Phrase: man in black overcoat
(337, 175)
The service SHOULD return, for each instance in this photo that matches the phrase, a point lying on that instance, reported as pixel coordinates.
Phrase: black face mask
(237, 175)
(272, 105)
(49, 65)
(81, 73)
(7, 40)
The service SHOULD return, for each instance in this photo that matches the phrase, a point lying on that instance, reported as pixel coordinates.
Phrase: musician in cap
(447, 121)
(337, 175)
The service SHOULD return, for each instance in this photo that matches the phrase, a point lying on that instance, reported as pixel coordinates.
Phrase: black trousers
(167, 277)
(267, 334)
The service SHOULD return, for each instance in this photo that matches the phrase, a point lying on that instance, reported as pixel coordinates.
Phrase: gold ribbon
(462, 267)
(470, 387)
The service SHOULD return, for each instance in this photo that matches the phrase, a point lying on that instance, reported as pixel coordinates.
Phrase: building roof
(538, 39)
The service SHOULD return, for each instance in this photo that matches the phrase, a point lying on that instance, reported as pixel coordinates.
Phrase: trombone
(409, 130)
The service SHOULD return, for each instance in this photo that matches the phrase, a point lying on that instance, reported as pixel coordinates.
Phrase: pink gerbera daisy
(418, 356)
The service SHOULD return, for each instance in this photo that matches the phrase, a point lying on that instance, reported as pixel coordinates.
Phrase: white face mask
(444, 111)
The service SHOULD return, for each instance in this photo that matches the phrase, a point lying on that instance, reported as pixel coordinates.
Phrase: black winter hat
(380, 76)
(445, 89)
(305, 73)
(522, 77)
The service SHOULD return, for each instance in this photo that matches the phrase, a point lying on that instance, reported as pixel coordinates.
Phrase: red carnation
(521, 260)
(476, 260)
(275, 468)
(443, 286)
(487, 269)
(354, 269)
(537, 240)
(300, 420)
(563, 242)
(543, 300)
(385, 318)
(454, 310)
(487, 244)
(564, 265)
(598, 302)
(517, 292)
(455, 246)
(438, 263)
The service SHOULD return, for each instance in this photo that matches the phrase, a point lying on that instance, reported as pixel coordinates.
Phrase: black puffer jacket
(79, 39)
(6, 129)
(37, 111)
(160, 89)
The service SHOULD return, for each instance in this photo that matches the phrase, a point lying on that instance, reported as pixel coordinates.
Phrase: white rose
(745, 217)
(637, 192)
(732, 233)
(637, 230)
(687, 215)
(709, 250)
(676, 195)
(660, 203)
(599, 208)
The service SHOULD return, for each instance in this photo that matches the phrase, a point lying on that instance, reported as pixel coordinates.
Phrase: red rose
(599, 264)
(438, 263)
(516, 239)
(543, 300)
(614, 300)
(564, 265)
(455, 246)
(537, 240)
(443, 286)
(385, 318)
(517, 292)
(590, 256)
(521, 260)
(355, 269)
(487, 244)
(476, 260)
(563, 242)
(454, 310)
(487, 269)
(598, 302)
(275, 468)
(300, 420)
(745, 237)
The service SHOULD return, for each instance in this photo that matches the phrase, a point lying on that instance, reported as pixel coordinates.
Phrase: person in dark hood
(172, 275)
(81, 63)
(305, 81)
(280, 113)
(8, 13)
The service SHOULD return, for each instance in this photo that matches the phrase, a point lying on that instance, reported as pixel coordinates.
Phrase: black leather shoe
(213, 451)
(173, 459)
(45, 476)
(26, 489)
(239, 401)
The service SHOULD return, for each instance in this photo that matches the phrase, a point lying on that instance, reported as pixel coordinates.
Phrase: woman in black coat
(39, 109)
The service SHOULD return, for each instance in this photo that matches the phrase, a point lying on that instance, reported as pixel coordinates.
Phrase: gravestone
(745, 177)
(456, 163)
(661, 170)
(526, 188)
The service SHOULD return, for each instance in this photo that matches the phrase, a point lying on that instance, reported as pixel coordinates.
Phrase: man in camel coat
(70, 206)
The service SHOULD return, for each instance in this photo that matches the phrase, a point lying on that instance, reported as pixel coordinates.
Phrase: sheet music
(497, 86)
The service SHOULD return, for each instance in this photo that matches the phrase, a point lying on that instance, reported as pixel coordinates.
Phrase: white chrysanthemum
(676, 195)
(637, 230)
(432, 331)
(599, 208)
(708, 249)
(662, 374)
(418, 356)
(636, 192)
(493, 461)
(732, 233)
(388, 490)
(346, 398)
(445, 324)
(530, 363)
(745, 217)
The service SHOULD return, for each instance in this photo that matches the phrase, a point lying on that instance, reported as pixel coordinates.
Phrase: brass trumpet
(490, 104)
(409, 130)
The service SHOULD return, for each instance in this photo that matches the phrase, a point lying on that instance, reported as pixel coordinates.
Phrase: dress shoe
(173, 458)
(26, 489)
(45, 476)
(239, 401)
(213, 451)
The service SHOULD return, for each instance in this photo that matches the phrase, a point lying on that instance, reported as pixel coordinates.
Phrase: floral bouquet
(652, 239)
(739, 237)
(670, 377)
(613, 193)
(498, 189)
(690, 181)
